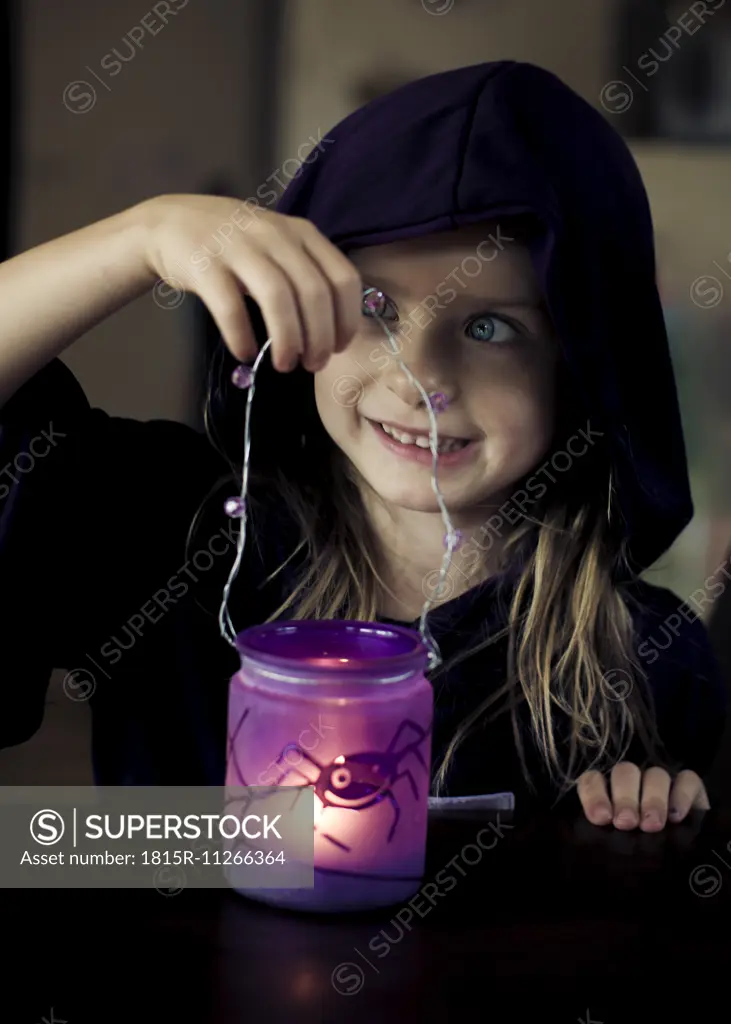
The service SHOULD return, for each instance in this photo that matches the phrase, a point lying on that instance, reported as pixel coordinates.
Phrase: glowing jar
(343, 707)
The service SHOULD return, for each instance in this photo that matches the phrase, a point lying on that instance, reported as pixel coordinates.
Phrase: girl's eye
(377, 304)
(491, 328)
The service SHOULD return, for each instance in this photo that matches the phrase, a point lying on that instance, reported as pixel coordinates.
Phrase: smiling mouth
(450, 444)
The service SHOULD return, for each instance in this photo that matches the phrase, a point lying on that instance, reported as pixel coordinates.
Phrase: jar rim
(334, 647)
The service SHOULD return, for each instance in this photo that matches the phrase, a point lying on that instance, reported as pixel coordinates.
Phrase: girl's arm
(308, 291)
(51, 295)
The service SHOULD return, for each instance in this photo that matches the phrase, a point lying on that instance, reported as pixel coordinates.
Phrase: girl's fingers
(634, 798)
(271, 288)
(654, 802)
(625, 781)
(222, 295)
(314, 298)
(308, 291)
(687, 792)
(592, 792)
(344, 280)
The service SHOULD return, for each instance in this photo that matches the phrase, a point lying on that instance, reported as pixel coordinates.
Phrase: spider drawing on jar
(361, 780)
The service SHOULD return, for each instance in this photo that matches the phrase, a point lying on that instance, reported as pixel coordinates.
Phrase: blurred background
(107, 104)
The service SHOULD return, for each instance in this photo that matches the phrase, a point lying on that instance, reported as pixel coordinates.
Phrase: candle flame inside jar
(319, 808)
(328, 662)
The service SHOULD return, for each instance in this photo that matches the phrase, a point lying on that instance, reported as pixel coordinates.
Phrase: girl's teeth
(422, 442)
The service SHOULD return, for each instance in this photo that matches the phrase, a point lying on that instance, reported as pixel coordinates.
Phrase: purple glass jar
(343, 707)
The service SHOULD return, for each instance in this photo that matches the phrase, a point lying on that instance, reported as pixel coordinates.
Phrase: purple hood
(492, 141)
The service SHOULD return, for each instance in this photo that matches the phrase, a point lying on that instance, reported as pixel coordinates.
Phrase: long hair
(569, 628)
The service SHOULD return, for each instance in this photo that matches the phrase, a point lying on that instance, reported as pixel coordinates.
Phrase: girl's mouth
(417, 449)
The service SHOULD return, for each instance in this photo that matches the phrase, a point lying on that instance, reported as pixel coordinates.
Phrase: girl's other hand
(222, 249)
(634, 798)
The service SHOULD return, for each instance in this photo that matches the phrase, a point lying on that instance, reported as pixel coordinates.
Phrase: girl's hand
(221, 249)
(634, 798)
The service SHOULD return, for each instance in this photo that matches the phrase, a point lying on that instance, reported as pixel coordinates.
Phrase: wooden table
(557, 920)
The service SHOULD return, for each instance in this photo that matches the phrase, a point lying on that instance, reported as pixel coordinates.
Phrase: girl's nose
(442, 391)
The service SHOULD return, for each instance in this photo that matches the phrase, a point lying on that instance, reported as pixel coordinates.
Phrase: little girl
(504, 231)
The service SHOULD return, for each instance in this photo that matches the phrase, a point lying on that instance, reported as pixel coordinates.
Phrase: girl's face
(466, 314)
